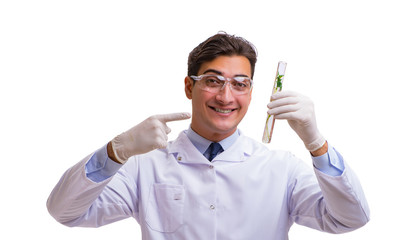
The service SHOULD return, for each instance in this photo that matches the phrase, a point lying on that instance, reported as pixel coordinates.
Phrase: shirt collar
(202, 143)
(184, 151)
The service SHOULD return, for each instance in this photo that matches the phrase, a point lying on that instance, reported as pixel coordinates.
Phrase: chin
(225, 128)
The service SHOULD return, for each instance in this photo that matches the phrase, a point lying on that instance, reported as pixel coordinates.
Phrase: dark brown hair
(221, 44)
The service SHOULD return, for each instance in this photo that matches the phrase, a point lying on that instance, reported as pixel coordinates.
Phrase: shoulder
(274, 163)
(260, 151)
(256, 148)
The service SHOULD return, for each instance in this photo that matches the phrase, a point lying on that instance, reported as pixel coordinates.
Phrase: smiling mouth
(219, 110)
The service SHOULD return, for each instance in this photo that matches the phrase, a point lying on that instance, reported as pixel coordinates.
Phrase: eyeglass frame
(226, 80)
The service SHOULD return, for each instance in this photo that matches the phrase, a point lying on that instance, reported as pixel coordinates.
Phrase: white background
(76, 73)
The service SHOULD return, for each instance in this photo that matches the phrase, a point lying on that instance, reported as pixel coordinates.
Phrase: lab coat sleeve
(334, 204)
(78, 201)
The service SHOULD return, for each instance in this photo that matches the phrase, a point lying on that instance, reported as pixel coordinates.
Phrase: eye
(212, 81)
(239, 85)
(241, 82)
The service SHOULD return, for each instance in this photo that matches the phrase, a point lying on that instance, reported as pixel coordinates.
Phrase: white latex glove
(300, 113)
(146, 136)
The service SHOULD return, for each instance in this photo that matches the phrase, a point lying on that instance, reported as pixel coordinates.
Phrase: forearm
(345, 201)
(68, 200)
(94, 192)
(331, 203)
(342, 193)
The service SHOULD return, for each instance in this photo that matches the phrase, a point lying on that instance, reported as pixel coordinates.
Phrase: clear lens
(215, 83)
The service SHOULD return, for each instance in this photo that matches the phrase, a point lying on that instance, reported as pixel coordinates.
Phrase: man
(193, 188)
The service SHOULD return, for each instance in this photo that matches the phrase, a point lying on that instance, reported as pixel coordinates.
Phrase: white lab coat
(246, 192)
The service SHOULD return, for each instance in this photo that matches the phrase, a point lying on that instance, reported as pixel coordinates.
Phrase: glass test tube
(270, 120)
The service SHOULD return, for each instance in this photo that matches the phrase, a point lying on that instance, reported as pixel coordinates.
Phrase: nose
(225, 94)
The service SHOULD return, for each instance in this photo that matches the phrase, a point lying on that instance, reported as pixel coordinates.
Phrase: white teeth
(223, 110)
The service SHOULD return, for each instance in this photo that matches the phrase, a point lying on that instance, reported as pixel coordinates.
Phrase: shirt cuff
(100, 167)
(330, 163)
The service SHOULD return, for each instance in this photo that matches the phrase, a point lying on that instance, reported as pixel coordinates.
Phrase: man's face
(215, 116)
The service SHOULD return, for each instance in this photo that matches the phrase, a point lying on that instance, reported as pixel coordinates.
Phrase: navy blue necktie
(214, 149)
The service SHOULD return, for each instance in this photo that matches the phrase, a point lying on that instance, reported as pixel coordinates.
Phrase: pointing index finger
(173, 116)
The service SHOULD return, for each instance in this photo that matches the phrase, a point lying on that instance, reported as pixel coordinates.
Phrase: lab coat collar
(185, 152)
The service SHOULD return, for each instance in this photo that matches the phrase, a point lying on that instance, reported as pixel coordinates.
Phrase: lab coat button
(212, 207)
(179, 158)
(211, 166)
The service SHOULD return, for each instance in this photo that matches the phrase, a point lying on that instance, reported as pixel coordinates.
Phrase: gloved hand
(300, 113)
(146, 136)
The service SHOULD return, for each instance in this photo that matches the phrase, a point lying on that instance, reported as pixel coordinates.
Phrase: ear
(188, 87)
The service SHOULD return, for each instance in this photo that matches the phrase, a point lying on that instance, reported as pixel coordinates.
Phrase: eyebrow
(212, 70)
(220, 73)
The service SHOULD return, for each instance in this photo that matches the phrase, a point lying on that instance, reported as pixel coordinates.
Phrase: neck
(213, 136)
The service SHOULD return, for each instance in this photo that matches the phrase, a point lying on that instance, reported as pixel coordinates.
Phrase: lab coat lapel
(185, 152)
(238, 152)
